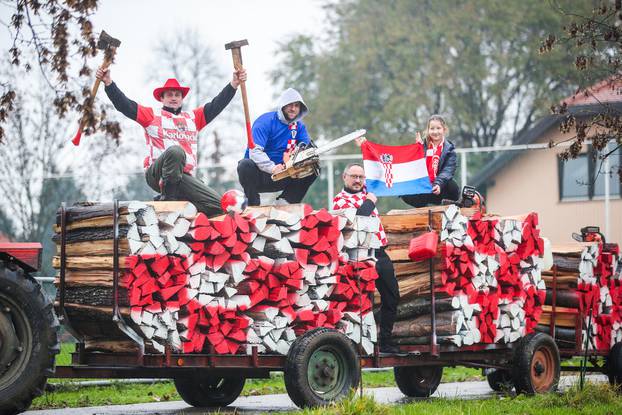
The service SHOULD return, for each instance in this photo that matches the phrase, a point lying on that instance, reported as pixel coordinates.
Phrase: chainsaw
(470, 198)
(304, 160)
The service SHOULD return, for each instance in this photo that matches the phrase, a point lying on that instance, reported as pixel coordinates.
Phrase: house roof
(538, 130)
(607, 90)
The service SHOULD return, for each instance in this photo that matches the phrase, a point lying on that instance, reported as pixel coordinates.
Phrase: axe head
(236, 44)
(106, 41)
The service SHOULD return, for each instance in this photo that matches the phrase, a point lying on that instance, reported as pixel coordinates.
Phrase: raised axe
(109, 45)
(236, 53)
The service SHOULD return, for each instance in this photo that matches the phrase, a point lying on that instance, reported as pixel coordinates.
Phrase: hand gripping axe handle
(236, 53)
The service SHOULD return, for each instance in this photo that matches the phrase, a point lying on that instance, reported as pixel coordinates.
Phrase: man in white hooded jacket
(276, 133)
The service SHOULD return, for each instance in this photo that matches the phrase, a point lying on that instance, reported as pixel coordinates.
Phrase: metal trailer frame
(172, 365)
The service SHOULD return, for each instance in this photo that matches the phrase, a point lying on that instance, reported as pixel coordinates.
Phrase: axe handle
(236, 53)
(105, 65)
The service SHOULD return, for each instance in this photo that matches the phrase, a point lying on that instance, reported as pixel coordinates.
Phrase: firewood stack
(487, 276)
(587, 281)
(224, 284)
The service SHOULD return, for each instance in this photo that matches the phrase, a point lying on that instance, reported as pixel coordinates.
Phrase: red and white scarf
(347, 200)
(432, 159)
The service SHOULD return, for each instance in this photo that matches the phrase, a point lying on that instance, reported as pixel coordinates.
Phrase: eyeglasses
(356, 176)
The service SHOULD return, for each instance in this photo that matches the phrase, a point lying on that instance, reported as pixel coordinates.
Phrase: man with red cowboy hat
(171, 135)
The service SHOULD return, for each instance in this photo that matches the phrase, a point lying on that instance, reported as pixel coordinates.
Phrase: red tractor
(29, 329)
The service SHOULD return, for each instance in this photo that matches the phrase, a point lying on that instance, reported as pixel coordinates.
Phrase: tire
(418, 381)
(614, 364)
(536, 364)
(321, 367)
(500, 380)
(28, 339)
(209, 391)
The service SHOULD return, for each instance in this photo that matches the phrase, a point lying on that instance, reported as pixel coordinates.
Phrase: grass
(594, 399)
(68, 394)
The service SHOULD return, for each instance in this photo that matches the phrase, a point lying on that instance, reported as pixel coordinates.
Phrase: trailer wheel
(500, 380)
(418, 381)
(614, 364)
(321, 366)
(209, 391)
(28, 339)
(536, 364)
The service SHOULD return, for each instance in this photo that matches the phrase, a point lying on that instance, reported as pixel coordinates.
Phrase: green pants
(169, 168)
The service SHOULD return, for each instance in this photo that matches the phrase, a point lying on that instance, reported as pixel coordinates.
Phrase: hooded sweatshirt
(272, 132)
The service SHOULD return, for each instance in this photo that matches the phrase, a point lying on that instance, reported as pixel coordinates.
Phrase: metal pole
(463, 170)
(331, 183)
(607, 167)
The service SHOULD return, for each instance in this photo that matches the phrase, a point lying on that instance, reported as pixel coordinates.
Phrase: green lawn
(595, 399)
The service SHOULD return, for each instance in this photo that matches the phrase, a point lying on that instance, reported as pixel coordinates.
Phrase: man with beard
(354, 195)
(275, 135)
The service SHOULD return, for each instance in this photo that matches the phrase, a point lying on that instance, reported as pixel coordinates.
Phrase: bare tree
(594, 41)
(37, 165)
(53, 36)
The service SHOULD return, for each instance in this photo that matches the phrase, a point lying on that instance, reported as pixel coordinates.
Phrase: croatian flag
(395, 170)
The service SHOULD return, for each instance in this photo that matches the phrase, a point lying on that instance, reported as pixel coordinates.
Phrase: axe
(236, 53)
(109, 45)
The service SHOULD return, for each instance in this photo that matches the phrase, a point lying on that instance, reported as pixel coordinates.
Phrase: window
(584, 177)
(574, 178)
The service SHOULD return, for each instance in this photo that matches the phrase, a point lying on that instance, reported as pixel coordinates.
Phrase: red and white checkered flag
(387, 165)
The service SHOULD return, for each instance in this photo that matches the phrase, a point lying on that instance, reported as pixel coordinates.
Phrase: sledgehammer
(236, 53)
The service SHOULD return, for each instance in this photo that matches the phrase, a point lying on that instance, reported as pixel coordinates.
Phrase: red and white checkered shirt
(346, 200)
(164, 129)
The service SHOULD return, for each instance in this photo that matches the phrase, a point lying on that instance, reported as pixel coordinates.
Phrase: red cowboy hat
(170, 84)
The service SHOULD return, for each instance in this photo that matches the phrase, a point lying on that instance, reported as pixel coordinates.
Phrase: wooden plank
(95, 248)
(90, 262)
(409, 222)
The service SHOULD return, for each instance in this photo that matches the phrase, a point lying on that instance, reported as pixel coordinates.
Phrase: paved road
(281, 402)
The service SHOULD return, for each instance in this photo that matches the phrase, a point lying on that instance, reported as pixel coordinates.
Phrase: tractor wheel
(500, 380)
(321, 367)
(614, 364)
(418, 381)
(536, 365)
(209, 391)
(28, 339)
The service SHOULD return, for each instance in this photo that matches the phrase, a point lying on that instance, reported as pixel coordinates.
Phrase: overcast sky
(139, 23)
